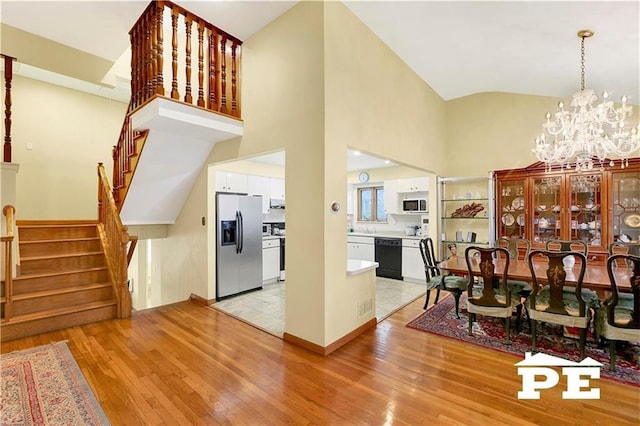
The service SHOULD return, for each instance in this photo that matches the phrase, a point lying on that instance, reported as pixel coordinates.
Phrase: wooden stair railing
(115, 239)
(128, 149)
(7, 242)
(218, 60)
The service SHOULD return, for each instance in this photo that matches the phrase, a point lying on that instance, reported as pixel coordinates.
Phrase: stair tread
(53, 273)
(62, 290)
(62, 255)
(60, 240)
(59, 311)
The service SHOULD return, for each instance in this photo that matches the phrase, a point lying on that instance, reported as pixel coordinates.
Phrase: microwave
(415, 205)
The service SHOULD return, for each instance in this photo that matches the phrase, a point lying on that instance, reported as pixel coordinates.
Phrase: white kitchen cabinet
(277, 188)
(419, 184)
(260, 185)
(361, 248)
(412, 263)
(391, 197)
(270, 260)
(231, 182)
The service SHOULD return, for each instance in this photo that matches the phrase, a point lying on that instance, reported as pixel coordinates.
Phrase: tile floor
(265, 308)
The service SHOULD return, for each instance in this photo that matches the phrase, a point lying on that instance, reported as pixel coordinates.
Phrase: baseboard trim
(295, 340)
(200, 300)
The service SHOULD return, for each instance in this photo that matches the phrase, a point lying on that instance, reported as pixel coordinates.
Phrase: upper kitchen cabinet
(277, 188)
(231, 182)
(391, 197)
(419, 184)
(260, 185)
(595, 206)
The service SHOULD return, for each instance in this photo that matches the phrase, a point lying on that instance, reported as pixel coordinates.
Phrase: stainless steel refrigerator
(239, 244)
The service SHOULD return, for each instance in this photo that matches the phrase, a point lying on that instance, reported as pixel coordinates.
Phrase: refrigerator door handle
(241, 232)
(237, 232)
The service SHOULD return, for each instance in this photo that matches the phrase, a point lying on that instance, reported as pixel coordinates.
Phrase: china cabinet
(597, 206)
(466, 212)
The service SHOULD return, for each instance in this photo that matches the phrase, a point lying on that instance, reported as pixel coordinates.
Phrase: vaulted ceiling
(458, 47)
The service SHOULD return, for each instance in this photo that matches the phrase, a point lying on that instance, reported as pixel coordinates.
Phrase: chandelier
(588, 133)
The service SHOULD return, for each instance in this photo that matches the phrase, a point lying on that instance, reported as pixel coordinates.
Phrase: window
(371, 204)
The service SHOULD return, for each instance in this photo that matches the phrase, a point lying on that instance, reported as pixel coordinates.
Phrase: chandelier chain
(582, 66)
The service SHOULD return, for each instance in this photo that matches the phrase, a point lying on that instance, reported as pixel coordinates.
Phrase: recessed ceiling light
(386, 161)
(356, 152)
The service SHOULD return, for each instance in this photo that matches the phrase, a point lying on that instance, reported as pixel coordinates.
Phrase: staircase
(62, 280)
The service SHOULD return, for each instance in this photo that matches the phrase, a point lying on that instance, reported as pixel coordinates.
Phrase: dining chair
(490, 295)
(518, 248)
(618, 247)
(435, 280)
(567, 245)
(619, 317)
(556, 303)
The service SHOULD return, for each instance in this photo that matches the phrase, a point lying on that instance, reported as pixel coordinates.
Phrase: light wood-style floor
(189, 364)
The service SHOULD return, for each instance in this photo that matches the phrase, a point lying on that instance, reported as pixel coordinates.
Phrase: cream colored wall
(375, 103)
(493, 131)
(52, 56)
(69, 132)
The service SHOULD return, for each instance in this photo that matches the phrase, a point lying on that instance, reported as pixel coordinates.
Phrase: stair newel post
(124, 307)
(100, 191)
(8, 78)
(7, 241)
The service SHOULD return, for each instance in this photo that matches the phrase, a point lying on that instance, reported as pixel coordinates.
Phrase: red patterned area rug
(489, 332)
(44, 386)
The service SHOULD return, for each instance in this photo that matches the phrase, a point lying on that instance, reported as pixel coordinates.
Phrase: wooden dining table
(595, 278)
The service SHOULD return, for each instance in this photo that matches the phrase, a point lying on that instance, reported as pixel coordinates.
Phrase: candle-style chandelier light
(589, 133)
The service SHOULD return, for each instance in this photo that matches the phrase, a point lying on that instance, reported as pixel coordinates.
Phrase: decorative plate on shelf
(632, 220)
(520, 219)
(508, 219)
(518, 203)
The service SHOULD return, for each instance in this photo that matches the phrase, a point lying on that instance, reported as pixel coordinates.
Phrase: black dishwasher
(388, 253)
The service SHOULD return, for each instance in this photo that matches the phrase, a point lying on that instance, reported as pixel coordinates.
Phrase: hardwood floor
(190, 364)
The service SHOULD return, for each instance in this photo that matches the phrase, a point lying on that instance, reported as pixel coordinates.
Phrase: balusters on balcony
(174, 52)
(201, 64)
(217, 59)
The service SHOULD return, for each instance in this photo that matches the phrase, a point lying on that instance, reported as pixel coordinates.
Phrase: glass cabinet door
(585, 208)
(512, 203)
(547, 209)
(626, 209)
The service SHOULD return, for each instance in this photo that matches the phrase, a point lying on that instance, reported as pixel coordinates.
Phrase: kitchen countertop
(356, 266)
(385, 234)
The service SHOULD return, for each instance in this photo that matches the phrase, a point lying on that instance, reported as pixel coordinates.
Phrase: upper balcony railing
(216, 60)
